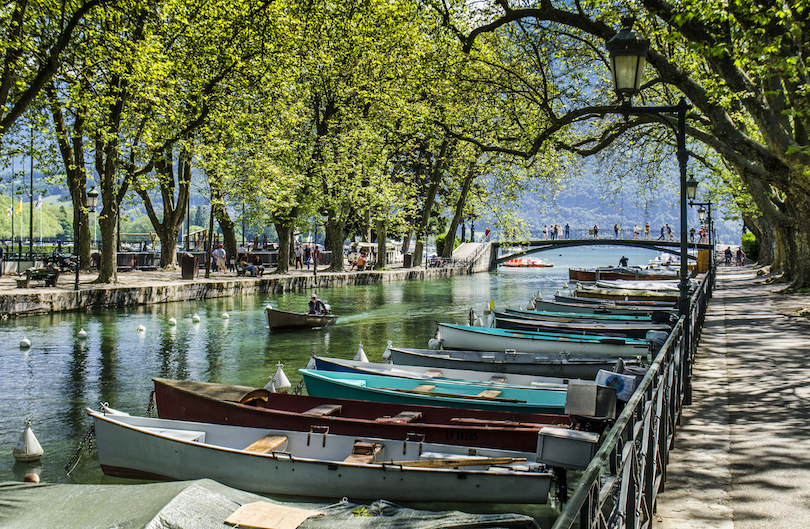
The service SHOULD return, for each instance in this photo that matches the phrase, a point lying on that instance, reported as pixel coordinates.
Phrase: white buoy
(141, 328)
(268, 307)
(387, 353)
(479, 322)
(25, 343)
(195, 318)
(361, 355)
(435, 343)
(82, 334)
(311, 364)
(172, 321)
(491, 321)
(225, 316)
(28, 448)
(280, 380)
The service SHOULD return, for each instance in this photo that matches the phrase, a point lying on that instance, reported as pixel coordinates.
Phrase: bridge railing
(625, 234)
(620, 486)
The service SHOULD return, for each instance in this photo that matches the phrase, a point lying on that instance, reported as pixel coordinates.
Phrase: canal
(60, 375)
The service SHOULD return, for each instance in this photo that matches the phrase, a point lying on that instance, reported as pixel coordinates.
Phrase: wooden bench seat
(402, 417)
(363, 452)
(49, 276)
(424, 388)
(323, 409)
(267, 444)
(489, 393)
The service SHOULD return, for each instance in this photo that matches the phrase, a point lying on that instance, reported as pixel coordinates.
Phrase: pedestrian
(692, 234)
(636, 230)
(307, 255)
(298, 255)
(615, 231)
(486, 235)
(595, 231)
(663, 231)
(545, 232)
(740, 256)
(220, 252)
(647, 231)
(567, 231)
(669, 231)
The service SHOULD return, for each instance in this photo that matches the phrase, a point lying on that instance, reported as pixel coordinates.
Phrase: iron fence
(620, 486)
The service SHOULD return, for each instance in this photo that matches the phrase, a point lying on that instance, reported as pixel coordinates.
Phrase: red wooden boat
(257, 407)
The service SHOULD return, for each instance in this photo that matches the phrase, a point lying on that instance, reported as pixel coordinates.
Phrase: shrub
(750, 246)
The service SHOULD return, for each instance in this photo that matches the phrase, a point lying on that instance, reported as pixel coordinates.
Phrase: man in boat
(316, 306)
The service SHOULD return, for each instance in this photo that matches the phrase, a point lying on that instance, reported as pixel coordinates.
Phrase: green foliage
(750, 246)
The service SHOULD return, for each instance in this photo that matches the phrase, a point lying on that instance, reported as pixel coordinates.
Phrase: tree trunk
(108, 224)
(381, 245)
(763, 231)
(427, 205)
(450, 238)
(335, 234)
(285, 234)
(223, 219)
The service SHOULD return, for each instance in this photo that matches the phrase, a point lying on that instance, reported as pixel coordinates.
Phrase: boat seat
(402, 417)
(497, 378)
(323, 409)
(489, 393)
(424, 388)
(267, 444)
(433, 374)
(363, 452)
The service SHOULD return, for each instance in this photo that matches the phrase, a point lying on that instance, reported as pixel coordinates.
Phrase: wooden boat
(428, 373)
(591, 307)
(626, 294)
(613, 273)
(257, 407)
(316, 464)
(376, 388)
(469, 338)
(579, 326)
(547, 364)
(282, 319)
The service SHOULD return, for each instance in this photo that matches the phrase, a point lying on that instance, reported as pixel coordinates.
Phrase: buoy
(361, 355)
(435, 343)
(225, 316)
(479, 322)
(82, 334)
(141, 328)
(491, 321)
(387, 353)
(268, 307)
(172, 321)
(195, 318)
(311, 364)
(25, 343)
(280, 382)
(31, 477)
(28, 448)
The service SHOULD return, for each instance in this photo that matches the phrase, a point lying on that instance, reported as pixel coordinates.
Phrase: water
(60, 375)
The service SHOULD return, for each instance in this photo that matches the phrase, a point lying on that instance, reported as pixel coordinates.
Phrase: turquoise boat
(568, 316)
(378, 388)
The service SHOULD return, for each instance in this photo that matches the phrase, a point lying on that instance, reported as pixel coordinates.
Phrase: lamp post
(628, 53)
(92, 195)
(91, 205)
(705, 216)
(315, 252)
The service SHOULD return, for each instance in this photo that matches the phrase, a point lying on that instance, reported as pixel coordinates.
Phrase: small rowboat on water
(527, 262)
(282, 319)
(317, 463)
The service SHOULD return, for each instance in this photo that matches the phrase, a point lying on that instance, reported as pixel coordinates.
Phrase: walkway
(742, 454)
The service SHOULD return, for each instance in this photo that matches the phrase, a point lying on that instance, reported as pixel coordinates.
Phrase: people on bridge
(636, 230)
(692, 234)
(595, 231)
(669, 231)
(647, 231)
(545, 232)
(663, 232)
(567, 231)
(623, 261)
(615, 231)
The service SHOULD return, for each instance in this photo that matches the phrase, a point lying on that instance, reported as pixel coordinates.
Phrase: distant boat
(317, 463)
(546, 364)
(282, 319)
(487, 339)
(375, 388)
(527, 262)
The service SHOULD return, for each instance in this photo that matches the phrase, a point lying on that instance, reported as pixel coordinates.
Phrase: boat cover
(203, 504)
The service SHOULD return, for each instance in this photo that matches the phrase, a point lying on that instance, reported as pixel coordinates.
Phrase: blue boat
(376, 388)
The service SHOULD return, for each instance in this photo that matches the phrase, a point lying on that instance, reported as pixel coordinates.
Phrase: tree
(741, 65)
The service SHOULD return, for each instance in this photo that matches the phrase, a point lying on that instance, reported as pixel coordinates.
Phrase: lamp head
(702, 213)
(628, 55)
(92, 195)
(691, 188)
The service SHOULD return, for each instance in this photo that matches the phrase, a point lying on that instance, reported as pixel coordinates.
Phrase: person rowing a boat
(317, 306)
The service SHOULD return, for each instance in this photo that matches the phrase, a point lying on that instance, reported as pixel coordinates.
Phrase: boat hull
(311, 465)
(282, 319)
(219, 403)
(619, 330)
(555, 365)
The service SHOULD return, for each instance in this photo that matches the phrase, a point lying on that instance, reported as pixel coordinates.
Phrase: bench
(323, 409)
(49, 275)
(267, 444)
(401, 418)
(363, 452)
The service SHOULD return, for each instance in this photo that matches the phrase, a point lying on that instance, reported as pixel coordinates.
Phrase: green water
(60, 375)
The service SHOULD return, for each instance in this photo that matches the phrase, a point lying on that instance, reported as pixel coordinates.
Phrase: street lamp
(92, 195)
(628, 53)
(324, 217)
(701, 214)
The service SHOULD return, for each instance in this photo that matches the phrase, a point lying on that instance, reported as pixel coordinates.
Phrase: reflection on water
(60, 375)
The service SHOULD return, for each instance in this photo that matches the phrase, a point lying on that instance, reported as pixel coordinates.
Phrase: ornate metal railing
(620, 486)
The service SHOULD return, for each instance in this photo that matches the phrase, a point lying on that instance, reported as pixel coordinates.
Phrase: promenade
(742, 453)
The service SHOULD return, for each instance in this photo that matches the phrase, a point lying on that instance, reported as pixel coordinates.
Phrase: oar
(447, 463)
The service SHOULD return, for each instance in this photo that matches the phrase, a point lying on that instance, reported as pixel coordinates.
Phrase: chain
(88, 440)
(152, 407)
(298, 389)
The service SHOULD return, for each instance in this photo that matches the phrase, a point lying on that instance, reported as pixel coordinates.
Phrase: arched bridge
(531, 247)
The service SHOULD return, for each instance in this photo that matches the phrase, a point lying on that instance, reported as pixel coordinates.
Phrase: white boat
(468, 338)
(317, 463)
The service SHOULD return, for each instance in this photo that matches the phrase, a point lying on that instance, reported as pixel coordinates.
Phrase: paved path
(742, 454)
